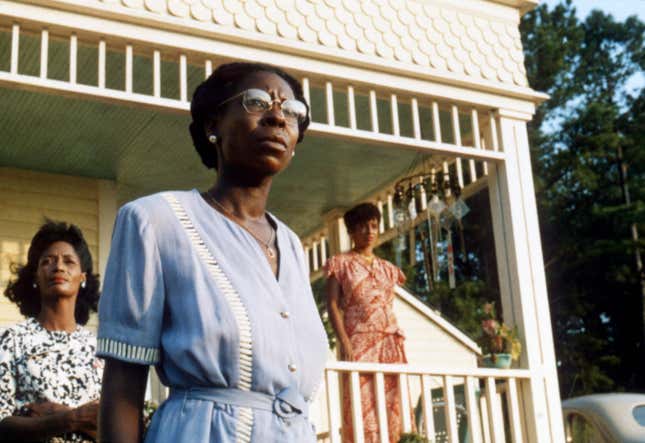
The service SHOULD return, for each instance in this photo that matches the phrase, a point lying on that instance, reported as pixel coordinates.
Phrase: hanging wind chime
(445, 210)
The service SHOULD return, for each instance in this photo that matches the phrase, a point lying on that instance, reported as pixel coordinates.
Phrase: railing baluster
(514, 411)
(381, 225)
(329, 95)
(374, 111)
(44, 52)
(381, 407)
(208, 68)
(314, 255)
(493, 131)
(494, 411)
(426, 398)
(396, 130)
(449, 409)
(416, 125)
(357, 410)
(457, 135)
(307, 259)
(390, 211)
(101, 67)
(446, 179)
(73, 57)
(351, 107)
(323, 250)
(484, 163)
(15, 47)
(485, 418)
(474, 423)
(436, 122)
(128, 68)
(412, 241)
(405, 402)
(422, 195)
(333, 401)
(306, 91)
(476, 143)
(183, 78)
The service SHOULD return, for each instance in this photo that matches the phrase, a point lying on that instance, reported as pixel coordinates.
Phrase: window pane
(639, 414)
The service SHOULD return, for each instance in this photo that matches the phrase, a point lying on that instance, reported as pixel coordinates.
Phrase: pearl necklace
(266, 244)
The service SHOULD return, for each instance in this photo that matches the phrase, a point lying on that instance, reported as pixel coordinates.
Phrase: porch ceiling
(146, 151)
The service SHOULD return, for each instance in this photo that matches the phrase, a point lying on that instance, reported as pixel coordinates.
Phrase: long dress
(39, 365)
(366, 302)
(190, 291)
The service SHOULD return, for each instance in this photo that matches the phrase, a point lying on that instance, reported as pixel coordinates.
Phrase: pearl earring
(212, 138)
(83, 284)
(293, 153)
(34, 285)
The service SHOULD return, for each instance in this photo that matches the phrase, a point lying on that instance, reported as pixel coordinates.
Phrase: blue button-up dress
(190, 291)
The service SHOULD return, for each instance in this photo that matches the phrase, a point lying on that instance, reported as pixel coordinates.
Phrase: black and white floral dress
(41, 365)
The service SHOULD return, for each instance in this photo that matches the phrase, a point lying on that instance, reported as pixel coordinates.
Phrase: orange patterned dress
(366, 301)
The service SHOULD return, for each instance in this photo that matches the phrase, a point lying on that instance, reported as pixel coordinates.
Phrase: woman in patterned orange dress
(360, 293)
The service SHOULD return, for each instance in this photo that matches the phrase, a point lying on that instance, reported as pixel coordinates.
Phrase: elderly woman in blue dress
(213, 289)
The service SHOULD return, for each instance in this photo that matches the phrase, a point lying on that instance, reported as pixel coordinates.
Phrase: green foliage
(585, 140)
(412, 438)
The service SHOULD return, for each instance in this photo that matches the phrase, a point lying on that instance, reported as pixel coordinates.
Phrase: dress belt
(288, 403)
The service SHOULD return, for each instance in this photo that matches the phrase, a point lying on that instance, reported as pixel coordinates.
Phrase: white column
(522, 280)
(107, 214)
(337, 236)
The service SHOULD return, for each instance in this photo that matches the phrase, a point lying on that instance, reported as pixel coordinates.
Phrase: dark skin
(251, 150)
(58, 276)
(364, 237)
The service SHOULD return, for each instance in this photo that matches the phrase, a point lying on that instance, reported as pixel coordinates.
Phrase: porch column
(337, 236)
(521, 277)
(107, 214)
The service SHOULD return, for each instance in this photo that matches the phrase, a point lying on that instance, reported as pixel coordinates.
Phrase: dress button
(284, 314)
(292, 367)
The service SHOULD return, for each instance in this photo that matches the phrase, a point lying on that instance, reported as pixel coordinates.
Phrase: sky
(620, 9)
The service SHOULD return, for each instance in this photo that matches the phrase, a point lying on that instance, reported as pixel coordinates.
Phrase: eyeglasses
(258, 101)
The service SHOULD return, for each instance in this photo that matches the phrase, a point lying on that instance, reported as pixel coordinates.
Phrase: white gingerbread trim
(107, 347)
(245, 415)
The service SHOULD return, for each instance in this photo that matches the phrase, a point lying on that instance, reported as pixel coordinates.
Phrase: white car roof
(615, 411)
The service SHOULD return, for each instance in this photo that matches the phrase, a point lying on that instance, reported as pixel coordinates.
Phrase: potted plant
(412, 437)
(500, 343)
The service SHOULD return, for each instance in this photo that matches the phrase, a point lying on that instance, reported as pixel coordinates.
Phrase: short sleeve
(332, 268)
(132, 303)
(396, 274)
(7, 375)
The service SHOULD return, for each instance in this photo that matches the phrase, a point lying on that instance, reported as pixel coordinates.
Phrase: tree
(582, 140)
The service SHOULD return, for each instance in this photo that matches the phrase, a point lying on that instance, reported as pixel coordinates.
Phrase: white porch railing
(448, 404)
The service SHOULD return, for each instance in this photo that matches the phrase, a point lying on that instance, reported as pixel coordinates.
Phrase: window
(639, 414)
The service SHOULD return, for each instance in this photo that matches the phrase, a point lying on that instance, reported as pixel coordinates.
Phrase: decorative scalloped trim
(125, 351)
(245, 420)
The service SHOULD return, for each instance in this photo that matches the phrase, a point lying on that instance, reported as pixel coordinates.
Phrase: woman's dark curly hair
(361, 214)
(21, 291)
(223, 83)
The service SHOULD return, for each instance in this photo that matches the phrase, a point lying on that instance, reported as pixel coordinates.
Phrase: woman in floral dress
(50, 379)
(360, 293)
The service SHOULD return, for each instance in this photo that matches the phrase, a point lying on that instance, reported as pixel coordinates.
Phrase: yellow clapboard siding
(21, 180)
(87, 222)
(48, 201)
(24, 231)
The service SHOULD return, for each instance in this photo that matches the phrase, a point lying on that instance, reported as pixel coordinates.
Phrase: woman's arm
(50, 419)
(124, 386)
(334, 291)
